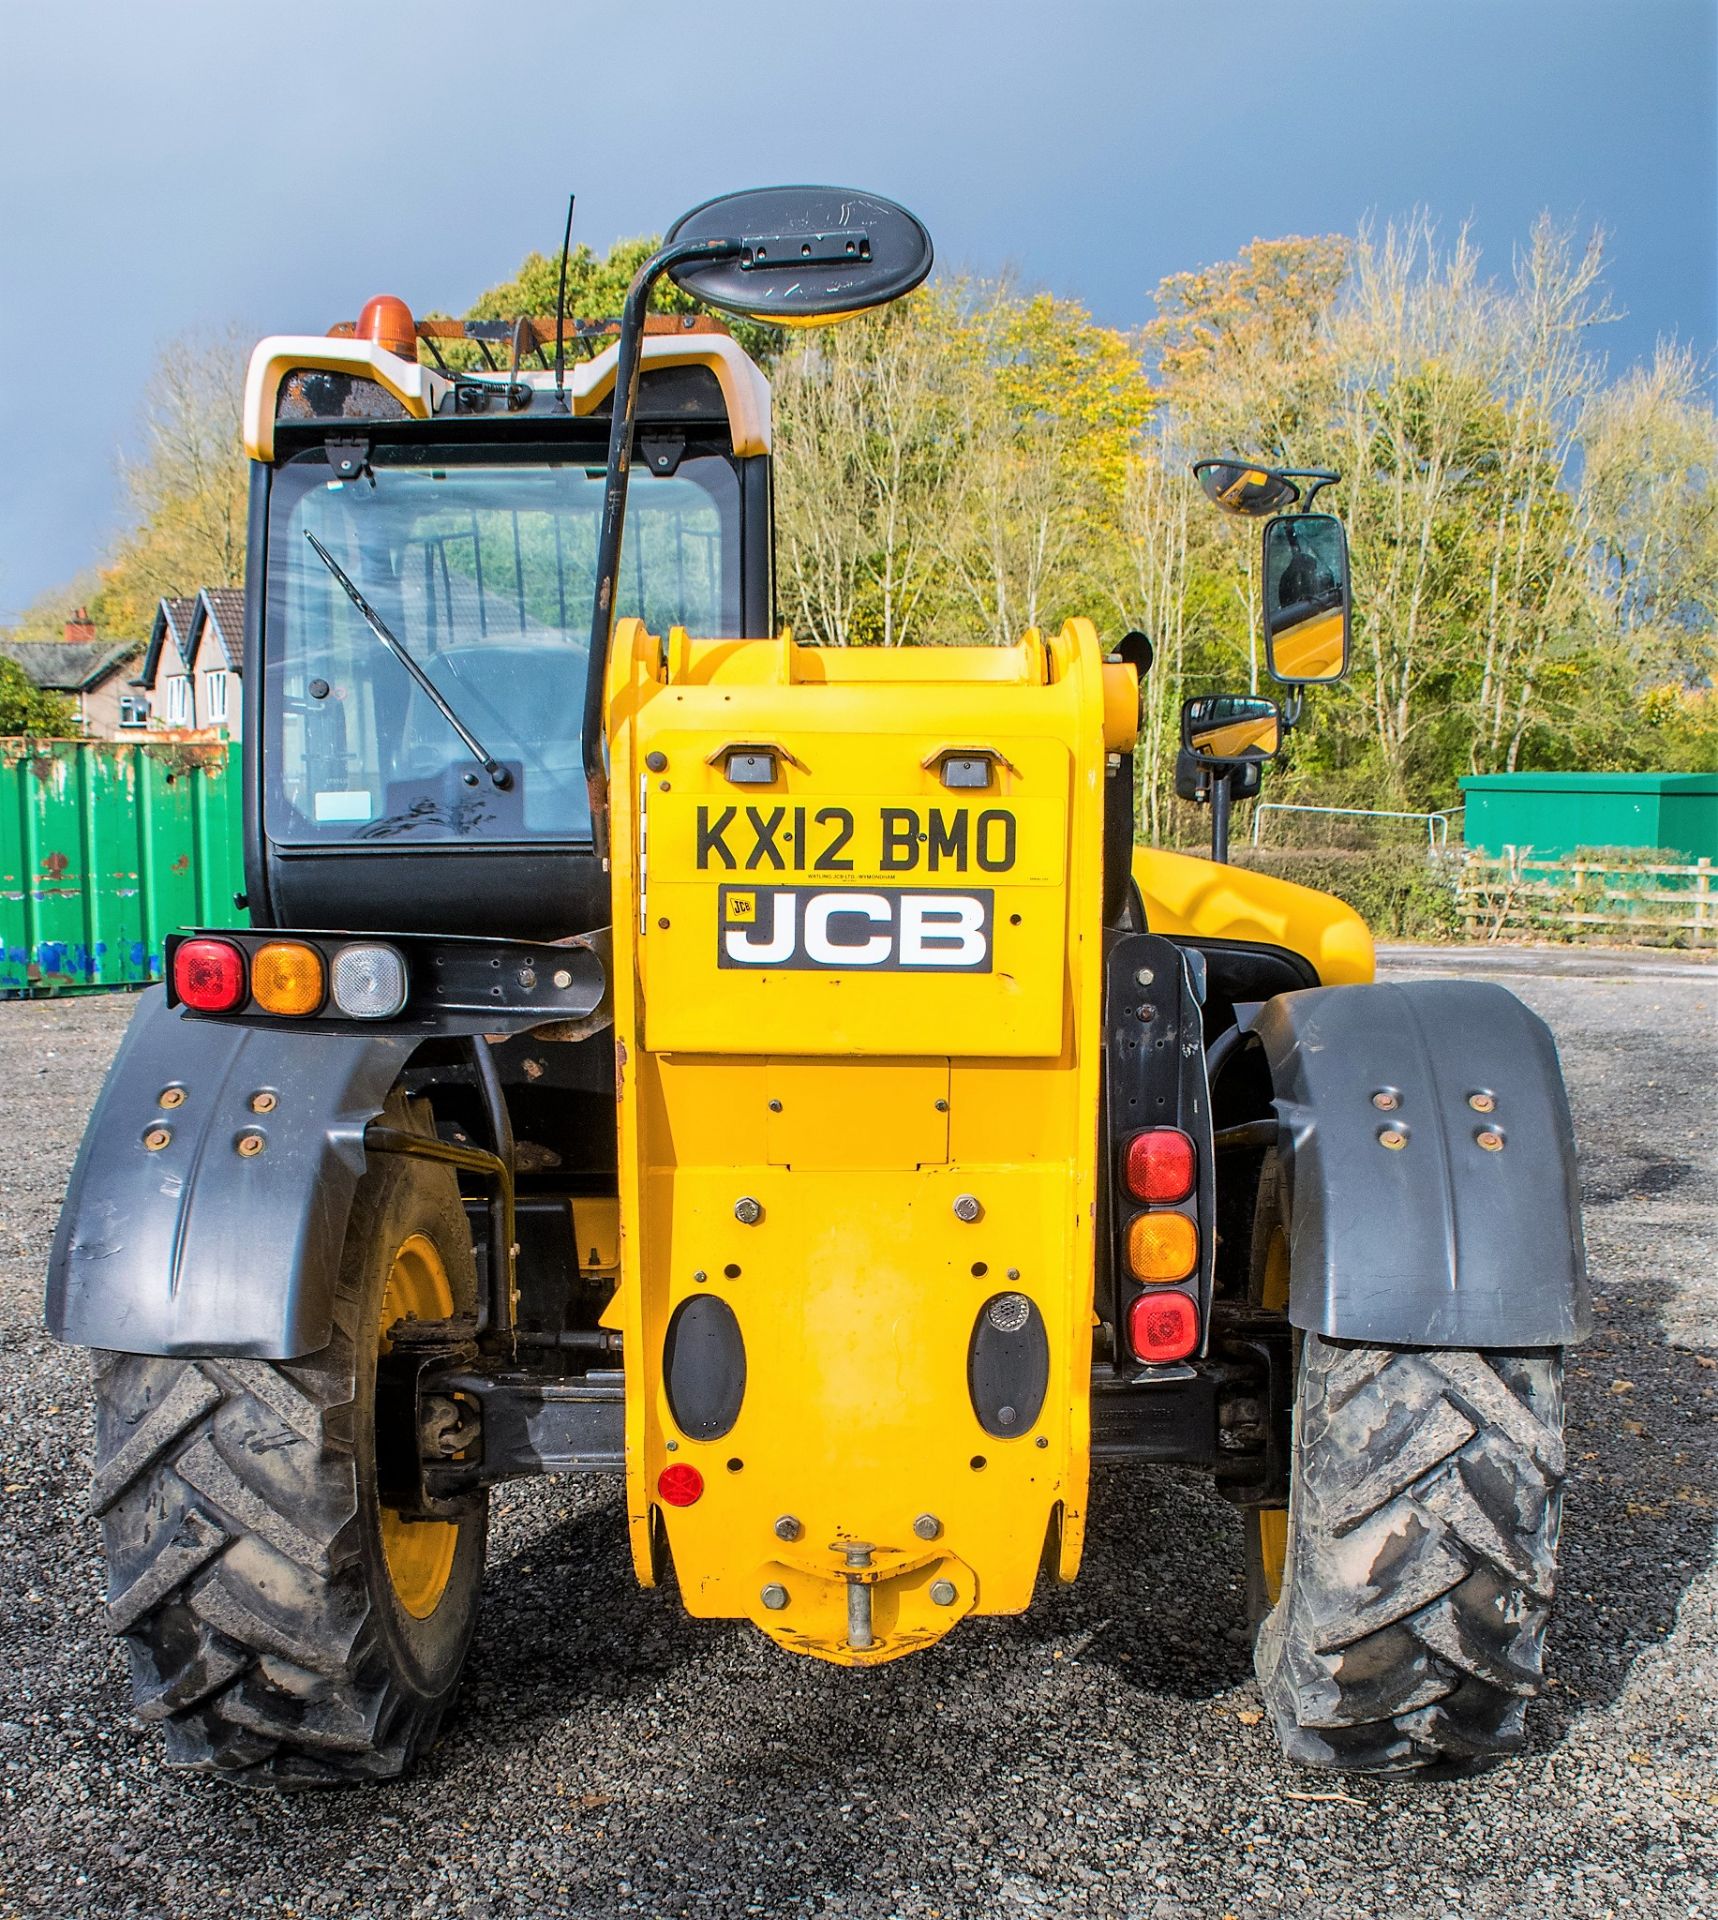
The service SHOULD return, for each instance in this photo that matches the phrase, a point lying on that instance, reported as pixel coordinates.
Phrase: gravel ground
(1104, 1754)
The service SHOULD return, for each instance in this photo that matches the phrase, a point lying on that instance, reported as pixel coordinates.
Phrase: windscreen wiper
(374, 621)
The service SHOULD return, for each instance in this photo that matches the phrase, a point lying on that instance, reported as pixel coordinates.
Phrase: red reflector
(1160, 1166)
(209, 975)
(680, 1484)
(1162, 1326)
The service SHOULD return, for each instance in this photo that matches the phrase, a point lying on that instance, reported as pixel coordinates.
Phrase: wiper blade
(374, 621)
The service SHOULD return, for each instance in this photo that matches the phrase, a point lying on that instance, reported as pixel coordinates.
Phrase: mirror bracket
(779, 252)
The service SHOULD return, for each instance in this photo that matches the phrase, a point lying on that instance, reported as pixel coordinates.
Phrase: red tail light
(680, 1484)
(1160, 1166)
(209, 975)
(1162, 1326)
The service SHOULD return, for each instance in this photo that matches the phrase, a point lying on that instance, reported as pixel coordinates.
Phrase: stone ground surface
(1102, 1755)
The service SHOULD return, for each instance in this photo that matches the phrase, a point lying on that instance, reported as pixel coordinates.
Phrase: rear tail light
(209, 975)
(1162, 1327)
(1162, 1246)
(1160, 1166)
(680, 1484)
(287, 978)
(369, 982)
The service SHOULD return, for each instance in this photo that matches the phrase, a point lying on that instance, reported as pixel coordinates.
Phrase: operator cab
(460, 516)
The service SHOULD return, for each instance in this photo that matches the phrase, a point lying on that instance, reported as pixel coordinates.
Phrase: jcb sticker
(778, 839)
(888, 930)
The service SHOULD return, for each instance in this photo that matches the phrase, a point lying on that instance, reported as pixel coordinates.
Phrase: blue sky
(198, 163)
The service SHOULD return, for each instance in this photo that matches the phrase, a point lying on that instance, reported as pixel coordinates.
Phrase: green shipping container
(1556, 814)
(106, 847)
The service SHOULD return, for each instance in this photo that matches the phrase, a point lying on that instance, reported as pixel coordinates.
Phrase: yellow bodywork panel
(1311, 649)
(1187, 896)
(857, 975)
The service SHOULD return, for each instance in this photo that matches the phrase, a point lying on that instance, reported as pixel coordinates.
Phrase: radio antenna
(561, 313)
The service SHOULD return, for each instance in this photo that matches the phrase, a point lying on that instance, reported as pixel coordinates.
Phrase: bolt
(1482, 1102)
(966, 1207)
(927, 1526)
(700, 1275)
(942, 1592)
(527, 978)
(1393, 1138)
(264, 1102)
(250, 1145)
(1014, 1273)
(857, 1553)
(156, 1138)
(563, 979)
(942, 1106)
(775, 1106)
(788, 1528)
(1386, 1101)
(1490, 1140)
(656, 761)
(747, 1211)
(1042, 1440)
(172, 1097)
(1006, 1416)
(1146, 1013)
(1145, 976)
(774, 1596)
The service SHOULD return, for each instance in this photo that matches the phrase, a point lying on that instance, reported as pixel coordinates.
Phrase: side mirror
(1230, 729)
(1245, 487)
(804, 254)
(1306, 599)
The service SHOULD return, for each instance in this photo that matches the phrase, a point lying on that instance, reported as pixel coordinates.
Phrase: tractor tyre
(284, 1628)
(1407, 1623)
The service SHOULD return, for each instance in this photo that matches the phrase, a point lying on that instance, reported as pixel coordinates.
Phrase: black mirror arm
(628, 355)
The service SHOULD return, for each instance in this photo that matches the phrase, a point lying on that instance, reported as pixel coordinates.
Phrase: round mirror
(1245, 487)
(805, 253)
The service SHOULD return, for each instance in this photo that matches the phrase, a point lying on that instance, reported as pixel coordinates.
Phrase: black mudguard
(1438, 1242)
(193, 1247)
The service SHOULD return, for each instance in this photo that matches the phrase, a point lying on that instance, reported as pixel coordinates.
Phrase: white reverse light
(369, 982)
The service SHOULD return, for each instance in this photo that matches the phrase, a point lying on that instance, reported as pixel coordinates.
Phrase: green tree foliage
(26, 708)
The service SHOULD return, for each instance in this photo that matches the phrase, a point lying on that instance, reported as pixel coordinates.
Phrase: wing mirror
(805, 254)
(1226, 730)
(1306, 608)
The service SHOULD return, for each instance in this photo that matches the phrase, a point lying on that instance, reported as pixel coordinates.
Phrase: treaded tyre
(283, 1628)
(1421, 1554)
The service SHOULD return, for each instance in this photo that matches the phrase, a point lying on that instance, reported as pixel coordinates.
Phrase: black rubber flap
(704, 1364)
(807, 252)
(1008, 1365)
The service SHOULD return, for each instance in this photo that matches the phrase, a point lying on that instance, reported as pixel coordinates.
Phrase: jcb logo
(891, 930)
(773, 839)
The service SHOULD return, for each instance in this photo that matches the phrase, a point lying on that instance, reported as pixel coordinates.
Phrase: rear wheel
(1419, 1549)
(284, 1627)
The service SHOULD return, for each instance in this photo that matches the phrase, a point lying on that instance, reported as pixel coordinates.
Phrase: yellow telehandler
(771, 1073)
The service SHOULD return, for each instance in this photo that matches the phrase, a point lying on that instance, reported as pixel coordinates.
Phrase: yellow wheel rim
(419, 1553)
(1270, 1524)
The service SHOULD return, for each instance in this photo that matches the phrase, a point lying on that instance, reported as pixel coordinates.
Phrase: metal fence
(105, 847)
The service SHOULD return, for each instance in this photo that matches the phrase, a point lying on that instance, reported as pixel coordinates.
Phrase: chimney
(80, 627)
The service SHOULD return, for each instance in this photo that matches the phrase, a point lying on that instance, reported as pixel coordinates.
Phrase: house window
(133, 710)
(179, 700)
(215, 692)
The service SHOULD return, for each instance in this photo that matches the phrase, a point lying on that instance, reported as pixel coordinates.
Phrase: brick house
(216, 642)
(91, 673)
(166, 676)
